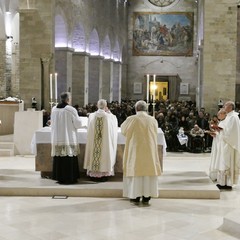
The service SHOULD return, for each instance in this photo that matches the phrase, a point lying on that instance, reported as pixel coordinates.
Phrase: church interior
(178, 55)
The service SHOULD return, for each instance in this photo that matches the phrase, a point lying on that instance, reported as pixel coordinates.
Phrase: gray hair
(141, 106)
(65, 96)
(101, 104)
(230, 103)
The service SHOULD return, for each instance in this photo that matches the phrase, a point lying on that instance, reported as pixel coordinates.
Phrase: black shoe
(99, 179)
(224, 187)
(145, 200)
(135, 200)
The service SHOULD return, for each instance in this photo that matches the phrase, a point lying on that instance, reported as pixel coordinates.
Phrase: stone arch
(116, 54)
(61, 39)
(79, 38)
(106, 48)
(94, 43)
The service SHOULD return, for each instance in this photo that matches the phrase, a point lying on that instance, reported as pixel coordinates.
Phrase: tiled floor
(87, 218)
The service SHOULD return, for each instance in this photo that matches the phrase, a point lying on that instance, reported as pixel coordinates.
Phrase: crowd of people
(172, 118)
(178, 120)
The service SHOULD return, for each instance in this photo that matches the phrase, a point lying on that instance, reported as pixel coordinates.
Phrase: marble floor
(92, 218)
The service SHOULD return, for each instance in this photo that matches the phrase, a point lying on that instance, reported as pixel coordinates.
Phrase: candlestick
(56, 96)
(50, 86)
(154, 87)
(147, 88)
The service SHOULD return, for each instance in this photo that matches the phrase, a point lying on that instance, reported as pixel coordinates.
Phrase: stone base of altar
(7, 113)
(43, 159)
(184, 185)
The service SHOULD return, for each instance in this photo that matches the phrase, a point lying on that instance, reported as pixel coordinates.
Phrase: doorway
(160, 89)
(165, 87)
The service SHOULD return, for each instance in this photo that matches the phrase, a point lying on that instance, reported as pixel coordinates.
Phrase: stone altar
(7, 112)
(41, 147)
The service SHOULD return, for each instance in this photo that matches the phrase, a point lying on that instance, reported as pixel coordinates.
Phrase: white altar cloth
(43, 135)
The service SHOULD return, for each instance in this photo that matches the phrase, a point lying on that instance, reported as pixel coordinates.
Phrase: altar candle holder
(148, 107)
(153, 104)
(51, 103)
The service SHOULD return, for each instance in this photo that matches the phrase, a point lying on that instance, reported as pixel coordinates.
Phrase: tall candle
(154, 87)
(147, 88)
(51, 87)
(56, 96)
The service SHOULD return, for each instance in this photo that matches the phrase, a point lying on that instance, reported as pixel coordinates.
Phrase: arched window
(116, 55)
(106, 48)
(94, 43)
(60, 32)
(79, 39)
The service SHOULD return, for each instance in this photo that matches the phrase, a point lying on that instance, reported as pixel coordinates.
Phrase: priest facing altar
(101, 147)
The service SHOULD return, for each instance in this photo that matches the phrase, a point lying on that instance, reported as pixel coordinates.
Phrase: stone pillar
(8, 69)
(63, 67)
(116, 82)
(199, 90)
(36, 42)
(106, 79)
(238, 56)
(79, 78)
(124, 81)
(45, 83)
(2, 68)
(219, 52)
(120, 83)
(95, 78)
(15, 69)
(111, 82)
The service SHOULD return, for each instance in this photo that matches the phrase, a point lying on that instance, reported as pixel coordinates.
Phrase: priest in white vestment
(141, 165)
(228, 148)
(229, 166)
(65, 148)
(216, 153)
(101, 147)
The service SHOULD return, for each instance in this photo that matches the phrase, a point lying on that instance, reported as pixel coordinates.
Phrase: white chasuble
(101, 147)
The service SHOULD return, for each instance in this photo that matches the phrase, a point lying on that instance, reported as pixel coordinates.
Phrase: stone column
(45, 83)
(219, 52)
(95, 78)
(106, 79)
(238, 56)
(120, 83)
(2, 68)
(63, 67)
(36, 42)
(111, 82)
(116, 82)
(199, 90)
(80, 78)
(124, 81)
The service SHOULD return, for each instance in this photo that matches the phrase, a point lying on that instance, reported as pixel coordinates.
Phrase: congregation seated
(174, 114)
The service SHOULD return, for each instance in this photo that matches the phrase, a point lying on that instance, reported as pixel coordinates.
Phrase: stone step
(6, 145)
(6, 152)
(231, 224)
